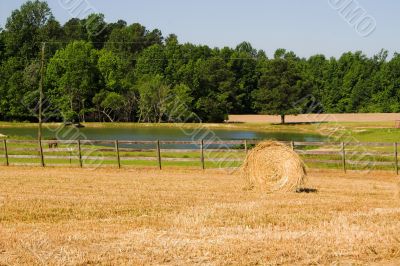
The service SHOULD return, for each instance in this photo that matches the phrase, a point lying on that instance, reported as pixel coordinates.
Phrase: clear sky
(305, 26)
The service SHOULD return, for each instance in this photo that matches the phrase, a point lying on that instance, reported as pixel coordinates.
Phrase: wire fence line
(203, 154)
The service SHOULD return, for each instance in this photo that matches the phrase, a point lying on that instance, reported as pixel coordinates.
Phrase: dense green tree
(75, 30)
(103, 71)
(281, 86)
(176, 61)
(243, 63)
(154, 99)
(116, 78)
(21, 41)
(11, 100)
(111, 68)
(109, 104)
(386, 97)
(97, 30)
(179, 105)
(216, 89)
(152, 61)
(2, 46)
(24, 29)
(316, 73)
(73, 78)
(129, 41)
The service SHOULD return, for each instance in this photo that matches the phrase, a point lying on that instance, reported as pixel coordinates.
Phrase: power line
(136, 59)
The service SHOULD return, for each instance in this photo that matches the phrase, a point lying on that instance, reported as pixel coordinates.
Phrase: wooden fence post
(246, 148)
(203, 166)
(396, 158)
(6, 152)
(117, 151)
(80, 154)
(41, 153)
(159, 154)
(292, 144)
(344, 157)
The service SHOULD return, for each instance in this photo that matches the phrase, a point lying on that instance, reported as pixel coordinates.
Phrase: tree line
(99, 71)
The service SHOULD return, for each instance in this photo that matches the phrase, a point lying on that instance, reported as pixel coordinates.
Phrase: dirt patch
(313, 118)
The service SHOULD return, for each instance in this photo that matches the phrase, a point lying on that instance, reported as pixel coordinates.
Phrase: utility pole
(41, 96)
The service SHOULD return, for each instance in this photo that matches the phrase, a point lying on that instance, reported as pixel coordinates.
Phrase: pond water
(157, 133)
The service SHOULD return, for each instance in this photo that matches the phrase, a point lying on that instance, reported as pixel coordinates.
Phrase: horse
(53, 143)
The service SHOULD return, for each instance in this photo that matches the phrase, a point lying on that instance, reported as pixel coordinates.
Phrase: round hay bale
(272, 166)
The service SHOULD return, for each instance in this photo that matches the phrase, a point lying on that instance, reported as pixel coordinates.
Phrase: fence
(203, 154)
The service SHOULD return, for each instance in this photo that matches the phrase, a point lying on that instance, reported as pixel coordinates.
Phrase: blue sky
(307, 27)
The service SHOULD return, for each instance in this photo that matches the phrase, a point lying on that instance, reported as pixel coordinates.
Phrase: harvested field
(78, 216)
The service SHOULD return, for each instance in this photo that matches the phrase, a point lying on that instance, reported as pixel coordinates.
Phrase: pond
(157, 133)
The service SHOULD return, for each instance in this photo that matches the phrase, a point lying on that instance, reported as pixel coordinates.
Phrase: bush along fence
(202, 154)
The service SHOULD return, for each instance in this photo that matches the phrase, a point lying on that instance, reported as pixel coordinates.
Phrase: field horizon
(319, 118)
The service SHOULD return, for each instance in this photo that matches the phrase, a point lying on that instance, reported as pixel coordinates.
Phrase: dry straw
(397, 193)
(273, 167)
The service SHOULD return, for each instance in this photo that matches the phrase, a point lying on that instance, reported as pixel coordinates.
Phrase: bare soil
(312, 118)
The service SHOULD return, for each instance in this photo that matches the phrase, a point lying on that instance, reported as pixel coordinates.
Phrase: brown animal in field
(53, 144)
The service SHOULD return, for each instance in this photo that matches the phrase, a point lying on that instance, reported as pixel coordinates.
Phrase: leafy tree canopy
(114, 71)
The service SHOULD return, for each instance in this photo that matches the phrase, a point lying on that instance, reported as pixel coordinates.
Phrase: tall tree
(2, 45)
(11, 94)
(23, 30)
(153, 105)
(97, 30)
(280, 87)
(75, 30)
(152, 61)
(129, 41)
(179, 105)
(96, 64)
(386, 97)
(243, 63)
(109, 104)
(215, 89)
(117, 78)
(73, 78)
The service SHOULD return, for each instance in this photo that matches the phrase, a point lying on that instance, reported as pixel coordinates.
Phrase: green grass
(111, 159)
(375, 135)
(353, 132)
(108, 156)
(131, 163)
(373, 131)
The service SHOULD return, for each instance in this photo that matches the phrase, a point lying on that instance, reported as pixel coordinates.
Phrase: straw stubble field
(78, 216)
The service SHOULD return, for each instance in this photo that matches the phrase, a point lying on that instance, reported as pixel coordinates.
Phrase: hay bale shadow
(306, 190)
